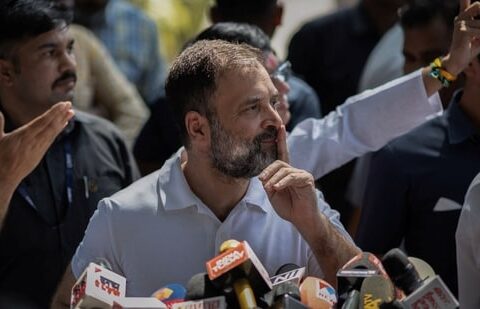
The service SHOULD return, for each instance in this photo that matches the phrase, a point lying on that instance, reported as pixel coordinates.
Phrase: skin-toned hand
(466, 38)
(291, 191)
(292, 194)
(22, 149)
(464, 47)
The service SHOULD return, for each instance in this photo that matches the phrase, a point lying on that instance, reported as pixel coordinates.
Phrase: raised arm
(292, 194)
(368, 121)
(22, 149)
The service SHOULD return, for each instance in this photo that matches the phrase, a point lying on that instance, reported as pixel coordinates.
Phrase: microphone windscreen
(401, 271)
(286, 268)
(317, 293)
(170, 292)
(200, 287)
(278, 291)
(376, 290)
(423, 268)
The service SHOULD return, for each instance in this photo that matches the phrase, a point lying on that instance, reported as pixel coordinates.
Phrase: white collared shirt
(157, 232)
(468, 248)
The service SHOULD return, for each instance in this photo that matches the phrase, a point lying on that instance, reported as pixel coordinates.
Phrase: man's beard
(239, 158)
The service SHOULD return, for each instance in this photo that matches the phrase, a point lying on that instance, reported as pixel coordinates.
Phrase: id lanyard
(68, 178)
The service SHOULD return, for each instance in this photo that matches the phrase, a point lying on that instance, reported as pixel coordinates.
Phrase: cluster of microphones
(237, 279)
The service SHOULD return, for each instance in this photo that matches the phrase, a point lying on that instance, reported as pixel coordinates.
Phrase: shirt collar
(175, 194)
(459, 126)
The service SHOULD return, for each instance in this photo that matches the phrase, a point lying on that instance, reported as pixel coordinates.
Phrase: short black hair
(247, 11)
(419, 13)
(237, 33)
(21, 19)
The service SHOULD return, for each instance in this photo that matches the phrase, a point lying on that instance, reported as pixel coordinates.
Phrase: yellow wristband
(437, 63)
(449, 76)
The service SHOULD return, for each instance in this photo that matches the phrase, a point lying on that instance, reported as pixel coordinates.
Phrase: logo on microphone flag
(326, 292)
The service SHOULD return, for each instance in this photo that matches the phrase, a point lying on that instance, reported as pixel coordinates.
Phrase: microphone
(97, 287)
(375, 291)
(288, 272)
(423, 268)
(317, 293)
(288, 302)
(286, 268)
(401, 271)
(170, 294)
(201, 293)
(351, 275)
(276, 296)
(199, 287)
(236, 267)
(392, 305)
(352, 301)
(429, 293)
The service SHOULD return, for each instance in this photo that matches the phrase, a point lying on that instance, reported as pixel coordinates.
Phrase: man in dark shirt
(49, 210)
(329, 53)
(416, 184)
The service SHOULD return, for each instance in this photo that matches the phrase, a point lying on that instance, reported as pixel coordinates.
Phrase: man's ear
(197, 127)
(6, 72)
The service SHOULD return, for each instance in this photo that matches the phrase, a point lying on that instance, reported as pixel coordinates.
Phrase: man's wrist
(450, 66)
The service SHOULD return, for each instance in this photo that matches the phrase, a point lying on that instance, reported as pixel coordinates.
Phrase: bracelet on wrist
(437, 71)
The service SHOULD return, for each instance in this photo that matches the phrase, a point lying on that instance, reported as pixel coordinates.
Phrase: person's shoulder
(139, 198)
(414, 145)
(324, 22)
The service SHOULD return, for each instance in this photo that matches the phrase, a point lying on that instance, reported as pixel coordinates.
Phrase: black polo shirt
(39, 238)
(415, 190)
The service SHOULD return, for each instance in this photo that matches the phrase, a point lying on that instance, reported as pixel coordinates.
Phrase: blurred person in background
(416, 184)
(101, 88)
(131, 37)
(426, 26)
(48, 212)
(177, 22)
(329, 53)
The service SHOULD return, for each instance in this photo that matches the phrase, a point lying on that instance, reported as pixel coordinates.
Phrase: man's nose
(68, 61)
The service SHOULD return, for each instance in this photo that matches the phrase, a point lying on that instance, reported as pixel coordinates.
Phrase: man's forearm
(331, 249)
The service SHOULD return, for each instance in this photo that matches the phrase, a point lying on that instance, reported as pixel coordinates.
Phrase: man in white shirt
(231, 133)
(165, 227)
(468, 248)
